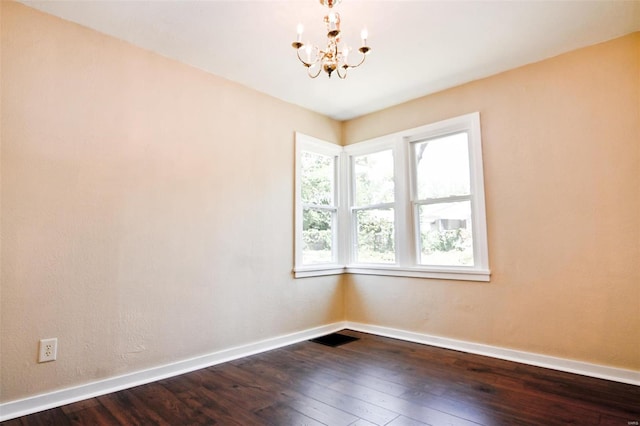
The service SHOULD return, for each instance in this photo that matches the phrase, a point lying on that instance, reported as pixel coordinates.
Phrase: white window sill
(443, 273)
(318, 270)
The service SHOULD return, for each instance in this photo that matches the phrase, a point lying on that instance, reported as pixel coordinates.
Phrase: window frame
(357, 150)
(469, 123)
(405, 205)
(305, 143)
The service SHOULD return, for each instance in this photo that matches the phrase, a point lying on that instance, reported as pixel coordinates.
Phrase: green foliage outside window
(317, 179)
(444, 240)
(448, 247)
(317, 190)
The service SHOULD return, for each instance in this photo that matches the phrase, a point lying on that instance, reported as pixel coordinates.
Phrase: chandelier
(335, 56)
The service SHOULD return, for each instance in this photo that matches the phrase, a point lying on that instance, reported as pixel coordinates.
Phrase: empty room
(315, 212)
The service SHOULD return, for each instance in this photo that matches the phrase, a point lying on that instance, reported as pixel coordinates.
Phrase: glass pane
(374, 178)
(318, 173)
(317, 238)
(442, 166)
(375, 236)
(445, 234)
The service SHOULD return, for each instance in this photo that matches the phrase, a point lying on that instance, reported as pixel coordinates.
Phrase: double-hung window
(441, 197)
(317, 199)
(406, 204)
(447, 198)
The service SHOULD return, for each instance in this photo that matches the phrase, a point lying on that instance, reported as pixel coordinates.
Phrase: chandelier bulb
(307, 50)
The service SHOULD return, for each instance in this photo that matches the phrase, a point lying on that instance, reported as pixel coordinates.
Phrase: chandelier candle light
(335, 56)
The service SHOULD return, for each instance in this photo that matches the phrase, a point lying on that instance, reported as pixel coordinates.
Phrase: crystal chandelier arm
(363, 50)
(342, 71)
(308, 62)
(311, 74)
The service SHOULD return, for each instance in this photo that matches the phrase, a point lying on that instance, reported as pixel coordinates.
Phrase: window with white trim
(406, 204)
(317, 224)
(441, 200)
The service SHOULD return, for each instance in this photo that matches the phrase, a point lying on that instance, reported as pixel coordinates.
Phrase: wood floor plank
(314, 384)
(159, 399)
(216, 401)
(242, 389)
(608, 420)
(482, 413)
(281, 414)
(51, 417)
(95, 415)
(409, 409)
(408, 379)
(405, 421)
(366, 366)
(371, 381)
(320, 411)
(127, 408)
(283, 387)
(362, 422)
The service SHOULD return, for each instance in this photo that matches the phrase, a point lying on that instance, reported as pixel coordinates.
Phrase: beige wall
(561, 143)
(147, 209)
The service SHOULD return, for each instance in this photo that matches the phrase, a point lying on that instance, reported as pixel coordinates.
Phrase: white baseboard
(23, 407)
(577, 367)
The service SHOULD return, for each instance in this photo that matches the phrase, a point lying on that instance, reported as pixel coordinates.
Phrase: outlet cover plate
(48, 350)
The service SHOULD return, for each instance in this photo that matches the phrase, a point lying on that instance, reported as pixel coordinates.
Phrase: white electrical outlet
(48, 350)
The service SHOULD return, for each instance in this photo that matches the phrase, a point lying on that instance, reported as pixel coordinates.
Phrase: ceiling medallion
(335, 56)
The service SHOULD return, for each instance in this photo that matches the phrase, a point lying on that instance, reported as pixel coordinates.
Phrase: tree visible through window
(442, 200)
(319, 211)
(373, 207)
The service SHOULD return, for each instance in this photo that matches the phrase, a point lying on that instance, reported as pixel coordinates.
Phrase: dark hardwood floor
(372, 381)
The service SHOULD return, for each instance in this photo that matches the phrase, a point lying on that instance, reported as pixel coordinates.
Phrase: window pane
(374, 178)
(317, 238)
(375, 236)
(442, 166)
(318, 172)
(445, 234)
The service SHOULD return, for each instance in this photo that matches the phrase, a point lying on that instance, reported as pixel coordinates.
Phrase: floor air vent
(334, 339)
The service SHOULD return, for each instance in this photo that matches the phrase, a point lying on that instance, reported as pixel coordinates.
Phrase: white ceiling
(418, 47)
